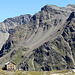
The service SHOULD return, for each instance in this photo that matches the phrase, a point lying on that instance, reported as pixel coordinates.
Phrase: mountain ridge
(42, 42)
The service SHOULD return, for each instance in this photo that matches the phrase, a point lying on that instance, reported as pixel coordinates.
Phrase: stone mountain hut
(10, 66)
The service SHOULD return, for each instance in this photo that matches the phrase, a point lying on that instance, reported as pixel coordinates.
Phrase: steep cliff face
(46, 42)
(56, 54)
(8, 25)
(69, 35)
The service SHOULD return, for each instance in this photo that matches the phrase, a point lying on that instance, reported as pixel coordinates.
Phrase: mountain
(8, 25)
(45, 43)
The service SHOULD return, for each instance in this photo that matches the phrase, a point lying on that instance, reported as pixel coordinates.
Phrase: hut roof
(9, 62)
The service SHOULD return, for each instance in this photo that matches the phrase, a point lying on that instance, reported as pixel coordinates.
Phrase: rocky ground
(64, 72)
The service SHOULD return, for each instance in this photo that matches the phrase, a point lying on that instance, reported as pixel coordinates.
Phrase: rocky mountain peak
(71, 5)
(23, 19)
(49, 7)
(72, 15)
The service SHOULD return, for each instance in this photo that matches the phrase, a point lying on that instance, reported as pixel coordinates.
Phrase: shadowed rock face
(45, 43)
(71, 16)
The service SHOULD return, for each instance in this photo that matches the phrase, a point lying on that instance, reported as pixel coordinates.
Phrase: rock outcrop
(8, 25)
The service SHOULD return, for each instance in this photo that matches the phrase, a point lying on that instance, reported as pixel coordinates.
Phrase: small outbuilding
(10, 66)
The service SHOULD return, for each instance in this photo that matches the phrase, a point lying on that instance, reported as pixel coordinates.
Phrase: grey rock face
(71, 5)
(8, 25)
(46, 42)
(55, 54)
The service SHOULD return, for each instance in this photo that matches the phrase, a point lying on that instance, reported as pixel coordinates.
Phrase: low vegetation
(17, 72)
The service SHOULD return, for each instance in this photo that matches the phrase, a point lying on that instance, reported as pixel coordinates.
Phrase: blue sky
(12, 8)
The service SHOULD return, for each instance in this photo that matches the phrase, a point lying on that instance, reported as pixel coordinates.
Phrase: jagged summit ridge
(8, 25)
(51, 7)
(18, 18)
(54, 7)
(71, 5)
